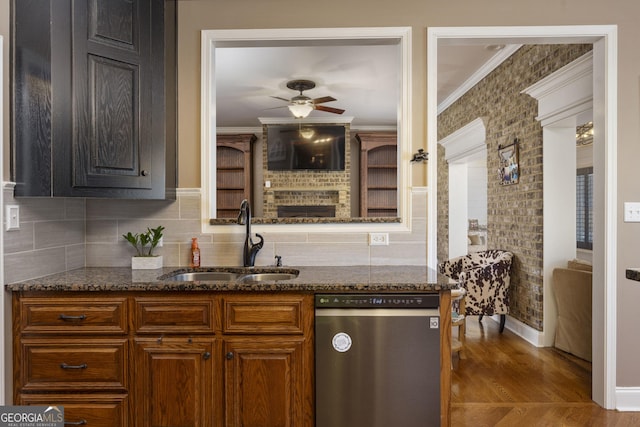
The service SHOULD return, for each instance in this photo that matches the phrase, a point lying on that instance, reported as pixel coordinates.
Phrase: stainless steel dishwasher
(377, 360)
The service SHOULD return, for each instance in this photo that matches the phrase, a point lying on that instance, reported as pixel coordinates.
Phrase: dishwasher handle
(377, 312)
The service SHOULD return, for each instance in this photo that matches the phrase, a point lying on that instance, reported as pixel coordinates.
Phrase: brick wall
(514, 212)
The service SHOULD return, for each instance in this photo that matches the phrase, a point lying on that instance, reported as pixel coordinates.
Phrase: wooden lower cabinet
(174, 382)
(166, 359)
(263, 381)
(85, 410)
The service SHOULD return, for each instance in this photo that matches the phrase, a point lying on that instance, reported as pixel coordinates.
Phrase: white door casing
(605, 64)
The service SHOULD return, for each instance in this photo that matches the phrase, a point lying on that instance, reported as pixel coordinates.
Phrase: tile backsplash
(51, 238)
(60, 234)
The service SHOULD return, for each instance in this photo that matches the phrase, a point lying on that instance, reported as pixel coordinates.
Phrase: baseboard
(628, 399)
(524, 331)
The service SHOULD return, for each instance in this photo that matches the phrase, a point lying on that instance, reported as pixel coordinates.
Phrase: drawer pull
(206, 355)
(65, 366)
(75, 423)
(66, 317)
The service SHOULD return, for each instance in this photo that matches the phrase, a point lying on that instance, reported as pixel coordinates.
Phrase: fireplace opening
(306, 211)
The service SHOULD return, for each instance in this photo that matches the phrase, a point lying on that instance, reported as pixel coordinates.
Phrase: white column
(458, 208)
(559, 218)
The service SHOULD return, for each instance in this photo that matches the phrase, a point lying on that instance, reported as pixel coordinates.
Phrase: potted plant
(145, 243)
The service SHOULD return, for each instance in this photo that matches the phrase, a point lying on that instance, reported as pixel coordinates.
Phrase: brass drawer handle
(75, 423)
(65, 366)
(66, 317)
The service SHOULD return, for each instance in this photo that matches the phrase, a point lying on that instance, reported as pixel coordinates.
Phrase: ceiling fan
(301, 105)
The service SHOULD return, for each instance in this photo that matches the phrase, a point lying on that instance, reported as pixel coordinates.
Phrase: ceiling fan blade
(281, 98)
(329, 109)
(275, 108)
(324, 99)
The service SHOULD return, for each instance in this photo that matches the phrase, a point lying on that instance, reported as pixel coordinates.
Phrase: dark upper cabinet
(94, 98)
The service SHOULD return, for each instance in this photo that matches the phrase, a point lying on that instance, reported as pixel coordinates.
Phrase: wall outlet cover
(378, 239)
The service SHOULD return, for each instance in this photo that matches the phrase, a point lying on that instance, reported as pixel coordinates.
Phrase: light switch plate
(631, 211)
(13, 217)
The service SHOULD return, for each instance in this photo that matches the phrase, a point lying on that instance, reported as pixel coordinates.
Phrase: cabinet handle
(65, 366)
(230, 355)
(67, 317)
(75, 423)
(206, 355)
(144, 172)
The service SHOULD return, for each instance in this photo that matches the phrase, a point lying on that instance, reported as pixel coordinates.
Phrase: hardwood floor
(505, 381)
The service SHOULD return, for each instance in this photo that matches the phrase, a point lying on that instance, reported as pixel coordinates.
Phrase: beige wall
(420, 14)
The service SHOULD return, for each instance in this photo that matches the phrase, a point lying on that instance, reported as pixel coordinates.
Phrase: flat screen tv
(306, 147)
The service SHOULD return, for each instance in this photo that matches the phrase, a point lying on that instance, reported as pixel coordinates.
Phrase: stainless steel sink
(267, 277)
(232, 276)
(205, 276)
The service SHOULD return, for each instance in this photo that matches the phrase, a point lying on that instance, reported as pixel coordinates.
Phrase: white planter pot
(146, 262)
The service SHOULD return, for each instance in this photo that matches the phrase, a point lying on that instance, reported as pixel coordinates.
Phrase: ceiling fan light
(300, 111)
(307, 133)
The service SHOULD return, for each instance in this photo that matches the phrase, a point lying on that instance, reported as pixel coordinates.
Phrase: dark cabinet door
(109, 120)
(31, 126)
(112, 94)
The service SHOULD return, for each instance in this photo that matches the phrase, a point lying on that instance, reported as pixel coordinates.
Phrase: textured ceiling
(365, 80)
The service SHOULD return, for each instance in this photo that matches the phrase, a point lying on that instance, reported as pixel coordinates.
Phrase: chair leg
(503, 319)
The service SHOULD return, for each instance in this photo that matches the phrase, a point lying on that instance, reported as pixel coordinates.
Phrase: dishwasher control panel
(377, 301)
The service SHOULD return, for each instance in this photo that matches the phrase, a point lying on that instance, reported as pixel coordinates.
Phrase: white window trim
(213, 38)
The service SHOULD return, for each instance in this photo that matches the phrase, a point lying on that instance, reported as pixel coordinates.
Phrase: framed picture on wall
(509, 170)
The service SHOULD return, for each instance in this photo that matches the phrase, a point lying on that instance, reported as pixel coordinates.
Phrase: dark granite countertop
(633, 274)
(314, 279)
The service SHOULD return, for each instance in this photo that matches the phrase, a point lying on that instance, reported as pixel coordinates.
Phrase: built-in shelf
(233, 173)
(378, 173)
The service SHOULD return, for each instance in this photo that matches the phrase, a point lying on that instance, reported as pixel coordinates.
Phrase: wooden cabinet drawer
(262, 314)
(74, 315)
(85, 409)
(74, 364)
(184, 314)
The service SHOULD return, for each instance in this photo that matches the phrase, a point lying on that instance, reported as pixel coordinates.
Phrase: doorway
(604, 43)
(466, 154)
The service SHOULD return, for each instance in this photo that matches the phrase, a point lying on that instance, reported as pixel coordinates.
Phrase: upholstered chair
(573, 295)
(485, 276)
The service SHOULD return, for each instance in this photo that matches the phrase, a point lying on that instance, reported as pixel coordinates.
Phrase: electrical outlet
(13, 217)
(631, 212)
(378, 239)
